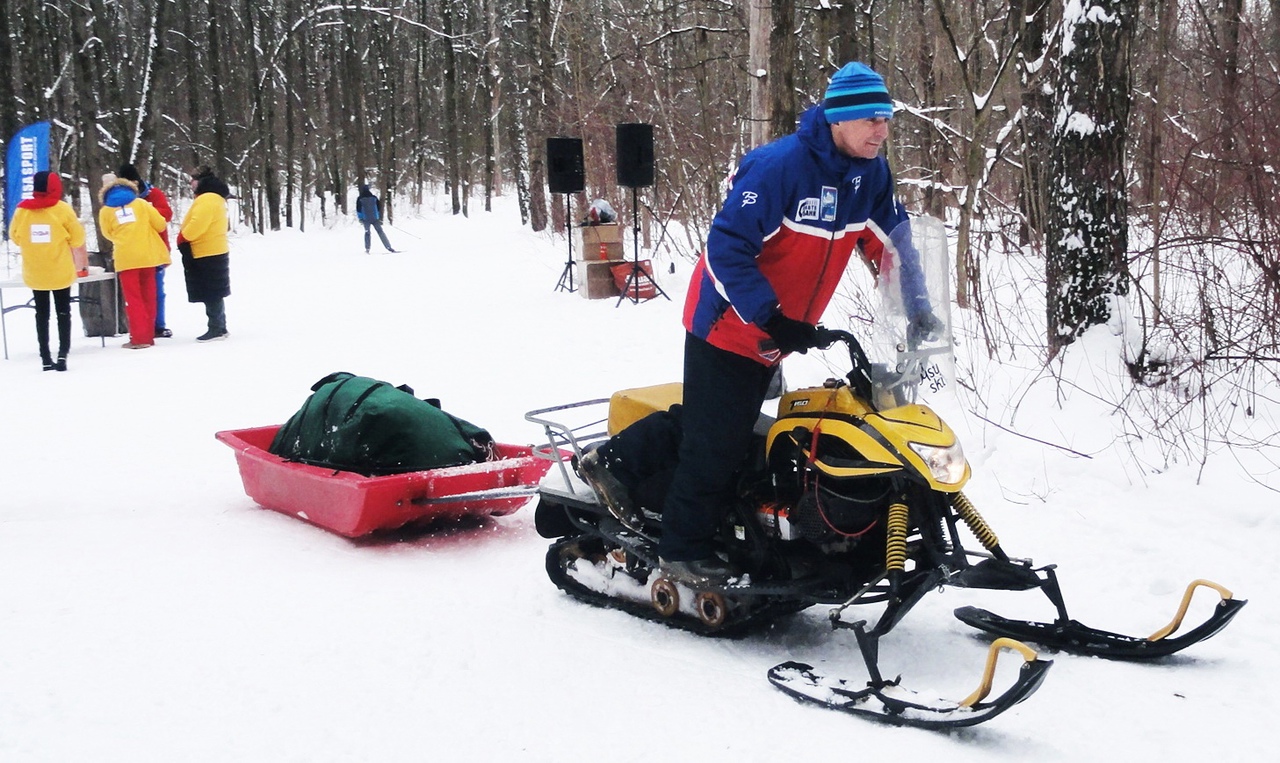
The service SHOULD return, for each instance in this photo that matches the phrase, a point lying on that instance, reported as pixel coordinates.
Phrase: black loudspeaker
(564, 165)
(635, 155)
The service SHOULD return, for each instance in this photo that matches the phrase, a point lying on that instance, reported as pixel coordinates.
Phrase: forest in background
(295, 102)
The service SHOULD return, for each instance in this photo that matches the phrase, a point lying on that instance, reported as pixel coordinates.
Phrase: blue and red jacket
(795, 211)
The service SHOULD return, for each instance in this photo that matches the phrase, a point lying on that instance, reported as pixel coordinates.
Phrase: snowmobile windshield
(909, 344)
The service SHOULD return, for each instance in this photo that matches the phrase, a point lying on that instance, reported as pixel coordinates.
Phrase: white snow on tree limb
(1076, 122)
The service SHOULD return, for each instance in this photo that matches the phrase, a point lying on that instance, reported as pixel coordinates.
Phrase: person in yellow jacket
(51, 240)
(206, 262)
(134, 226)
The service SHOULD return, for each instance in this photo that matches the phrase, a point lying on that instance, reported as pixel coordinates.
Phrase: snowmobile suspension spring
(895, 549)
(976, 523)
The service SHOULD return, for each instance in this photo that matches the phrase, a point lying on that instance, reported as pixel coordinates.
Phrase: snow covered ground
(149, 611)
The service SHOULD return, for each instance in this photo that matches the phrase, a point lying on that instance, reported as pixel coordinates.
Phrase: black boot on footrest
(614, 495)
(698, 573)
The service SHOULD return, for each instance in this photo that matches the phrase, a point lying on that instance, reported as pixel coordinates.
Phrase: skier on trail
(369, 212)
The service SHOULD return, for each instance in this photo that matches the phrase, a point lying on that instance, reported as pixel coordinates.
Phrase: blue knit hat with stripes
(856, 92)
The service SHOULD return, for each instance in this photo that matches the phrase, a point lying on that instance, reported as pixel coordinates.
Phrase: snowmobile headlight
(945, 464)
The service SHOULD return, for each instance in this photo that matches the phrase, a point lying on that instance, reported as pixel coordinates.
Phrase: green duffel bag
(357, 424)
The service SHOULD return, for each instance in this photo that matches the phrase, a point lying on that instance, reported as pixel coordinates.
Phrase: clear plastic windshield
(909, 344)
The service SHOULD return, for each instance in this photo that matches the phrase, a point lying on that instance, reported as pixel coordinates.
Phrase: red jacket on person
(156, 198)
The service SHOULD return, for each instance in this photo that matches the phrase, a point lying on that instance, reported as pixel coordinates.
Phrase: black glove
(925, 327)
(791, 335)
(824, 338)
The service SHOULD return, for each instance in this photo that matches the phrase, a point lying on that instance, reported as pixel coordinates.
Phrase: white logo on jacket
(41, 234)
(808, 209)
(124, 215)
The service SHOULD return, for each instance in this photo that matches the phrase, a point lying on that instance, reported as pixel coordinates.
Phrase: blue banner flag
(28, 154)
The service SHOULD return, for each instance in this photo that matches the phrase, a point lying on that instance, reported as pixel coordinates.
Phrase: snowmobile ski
(1076, 638)
(889, 702)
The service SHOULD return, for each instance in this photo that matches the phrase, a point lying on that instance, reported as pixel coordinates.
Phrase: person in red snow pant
(139, 288)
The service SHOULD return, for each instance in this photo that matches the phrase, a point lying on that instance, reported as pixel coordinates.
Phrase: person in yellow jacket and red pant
(134, 226)
(206, 262)
(51, 241)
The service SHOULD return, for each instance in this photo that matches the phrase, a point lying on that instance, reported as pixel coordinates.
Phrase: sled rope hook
(988, 674)
(1186, 602)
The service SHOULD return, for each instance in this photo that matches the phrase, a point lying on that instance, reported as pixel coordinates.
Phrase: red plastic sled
(351, 504)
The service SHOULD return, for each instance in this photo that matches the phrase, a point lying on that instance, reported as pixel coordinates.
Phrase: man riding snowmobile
(796, 212)
(851, 495)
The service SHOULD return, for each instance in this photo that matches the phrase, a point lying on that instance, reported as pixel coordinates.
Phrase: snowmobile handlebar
(859, 375)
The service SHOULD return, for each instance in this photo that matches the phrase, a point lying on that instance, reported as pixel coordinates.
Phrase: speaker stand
(566, 275)
(637, 276)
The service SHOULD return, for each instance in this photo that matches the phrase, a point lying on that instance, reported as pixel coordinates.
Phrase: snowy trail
(150, 612)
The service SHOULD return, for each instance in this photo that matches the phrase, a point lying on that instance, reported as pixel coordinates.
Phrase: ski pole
(405, 232)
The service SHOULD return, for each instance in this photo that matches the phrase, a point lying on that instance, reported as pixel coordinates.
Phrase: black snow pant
(61, 308)
(643, 457)
(723, 393)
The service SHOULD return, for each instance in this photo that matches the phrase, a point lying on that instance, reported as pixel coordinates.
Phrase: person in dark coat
(369, 212)
(206, 261)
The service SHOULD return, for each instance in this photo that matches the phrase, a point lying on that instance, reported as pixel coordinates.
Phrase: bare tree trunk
(292, 159)
(88, 71)
(978, 83)
(353, 94)
(841, 34)
(1037, 117)
(1088, 214)
(1275, 28)
(193, 89)
(759, 20)
(934, 200)
(139, 140)
(782, 65)
(452, 148)
(8, 102)
(219, 116)
(539, 81)
(491, 101)
(1166, 19)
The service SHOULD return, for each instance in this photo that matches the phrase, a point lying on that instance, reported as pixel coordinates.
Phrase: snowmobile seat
(628, 406)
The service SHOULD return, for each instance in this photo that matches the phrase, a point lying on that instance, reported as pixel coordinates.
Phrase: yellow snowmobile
(853, 497)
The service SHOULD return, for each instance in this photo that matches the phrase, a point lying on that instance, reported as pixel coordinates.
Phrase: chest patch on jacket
(828, 203)
(821, 208)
